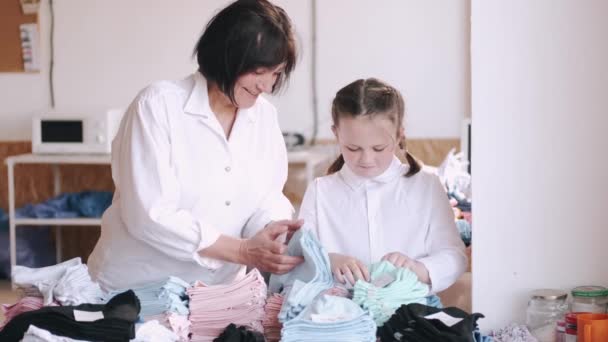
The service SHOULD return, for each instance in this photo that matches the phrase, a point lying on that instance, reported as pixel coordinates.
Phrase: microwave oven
(62, 133)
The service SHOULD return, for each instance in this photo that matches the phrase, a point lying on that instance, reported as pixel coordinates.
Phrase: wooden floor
(7, 295)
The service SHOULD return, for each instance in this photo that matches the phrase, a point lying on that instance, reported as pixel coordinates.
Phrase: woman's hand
(346, 268)
(401, 260)
(264, 253)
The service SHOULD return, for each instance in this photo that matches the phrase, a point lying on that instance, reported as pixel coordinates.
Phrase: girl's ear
(401, 138)
(401, 134)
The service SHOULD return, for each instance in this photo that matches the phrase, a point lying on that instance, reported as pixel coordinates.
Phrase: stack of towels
(330, 319)
(212, 308)
(165, 302)
(272, 326)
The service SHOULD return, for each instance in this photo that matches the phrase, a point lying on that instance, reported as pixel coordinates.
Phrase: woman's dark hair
(371, 97)
(246, 35)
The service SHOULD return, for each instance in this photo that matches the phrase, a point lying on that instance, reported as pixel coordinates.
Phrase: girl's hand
(401, 260)
(346, 268)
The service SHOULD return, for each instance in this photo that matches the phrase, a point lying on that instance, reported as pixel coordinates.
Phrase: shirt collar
(395, 169)
(198, 101)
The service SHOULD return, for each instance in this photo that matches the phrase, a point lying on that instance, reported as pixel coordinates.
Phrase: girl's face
(367, 143)
(250, 85)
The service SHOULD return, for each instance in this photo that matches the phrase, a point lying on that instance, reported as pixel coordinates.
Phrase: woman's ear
(334, 129)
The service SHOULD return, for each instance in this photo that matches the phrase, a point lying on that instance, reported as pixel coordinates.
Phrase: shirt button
(227, 203)
(227, 168)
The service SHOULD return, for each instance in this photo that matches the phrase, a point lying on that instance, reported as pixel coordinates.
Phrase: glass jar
(545, 308)
(571, 327)
(593, 299)
(560, 331)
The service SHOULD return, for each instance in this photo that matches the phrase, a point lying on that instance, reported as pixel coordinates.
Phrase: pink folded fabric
(24, 305)
(175, 322)
(338, 292)
(271, 324)
(213, 308)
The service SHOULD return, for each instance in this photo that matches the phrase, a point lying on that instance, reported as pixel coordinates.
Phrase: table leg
(57, 191)
(11, 216)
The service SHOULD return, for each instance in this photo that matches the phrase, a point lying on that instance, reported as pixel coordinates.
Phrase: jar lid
(590, 291)
(549, 294)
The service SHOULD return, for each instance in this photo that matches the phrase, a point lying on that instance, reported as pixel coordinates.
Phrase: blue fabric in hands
(305, 281)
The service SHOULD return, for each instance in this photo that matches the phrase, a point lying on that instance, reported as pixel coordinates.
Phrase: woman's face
(250, 85)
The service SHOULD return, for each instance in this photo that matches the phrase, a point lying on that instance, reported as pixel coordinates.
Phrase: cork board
(11, 16)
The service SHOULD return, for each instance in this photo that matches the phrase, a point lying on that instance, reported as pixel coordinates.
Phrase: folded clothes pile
(271, 324)
(213, 308)
(114, 321)
(422, 323)
(166, 302)
(23, 305)
(330, 319)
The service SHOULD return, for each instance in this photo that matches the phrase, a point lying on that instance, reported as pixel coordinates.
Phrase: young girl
(373, 207)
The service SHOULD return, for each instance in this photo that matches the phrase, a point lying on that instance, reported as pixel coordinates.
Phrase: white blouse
(368, 218)
(180, 184)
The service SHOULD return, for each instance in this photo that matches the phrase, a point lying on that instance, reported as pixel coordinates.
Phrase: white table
(309, 158)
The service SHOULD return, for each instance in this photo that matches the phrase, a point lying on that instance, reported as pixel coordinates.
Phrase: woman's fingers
(348, 274)
(364, 271)
(339, 277)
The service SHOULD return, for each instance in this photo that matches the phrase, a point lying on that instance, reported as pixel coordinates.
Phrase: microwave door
(61, 131)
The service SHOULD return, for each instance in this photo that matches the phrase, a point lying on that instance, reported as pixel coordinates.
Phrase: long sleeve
(446, 260)
(308, 209)
(149, 192)
(274, 205)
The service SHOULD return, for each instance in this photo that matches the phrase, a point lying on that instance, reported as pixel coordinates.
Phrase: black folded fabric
(240, 334)
(408, 323)
(117, 324)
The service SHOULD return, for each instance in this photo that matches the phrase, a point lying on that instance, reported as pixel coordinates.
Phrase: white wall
(540, 113)
(106, 50)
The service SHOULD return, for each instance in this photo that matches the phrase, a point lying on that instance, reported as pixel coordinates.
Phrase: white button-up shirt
(368, 218)
(180, 184)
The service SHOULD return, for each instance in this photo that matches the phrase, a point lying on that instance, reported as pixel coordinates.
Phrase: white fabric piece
(35, 334)
(152, 331)
(332, 309)
(369, 217)
(76, 287)
(68, 283)
(180, 184)
(44, 278)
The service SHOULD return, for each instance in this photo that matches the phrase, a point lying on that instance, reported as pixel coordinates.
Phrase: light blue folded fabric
(157, 298)
(305, 281)
(434, 301)
(330, 319)
(382, 302)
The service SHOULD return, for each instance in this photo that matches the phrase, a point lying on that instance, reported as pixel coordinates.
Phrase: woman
(199, 164)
